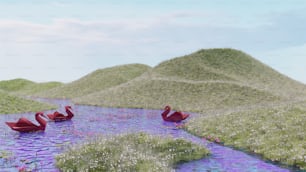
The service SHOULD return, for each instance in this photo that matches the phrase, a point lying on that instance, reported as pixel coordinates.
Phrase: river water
(36, 151)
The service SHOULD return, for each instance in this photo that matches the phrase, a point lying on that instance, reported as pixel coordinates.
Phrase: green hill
(196, 97)
(38, 87)
(10, 104)
(14, 84)
(229, 65)
(97, 81)
(26, 87)
(207, 79)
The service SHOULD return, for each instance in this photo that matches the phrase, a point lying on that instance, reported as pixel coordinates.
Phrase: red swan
(174, 117)
(57, 117)
(24, 125)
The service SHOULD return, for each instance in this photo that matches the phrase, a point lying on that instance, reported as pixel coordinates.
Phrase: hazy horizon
(63, 40)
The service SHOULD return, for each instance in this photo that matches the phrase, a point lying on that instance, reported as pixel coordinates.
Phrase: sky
(63, 40)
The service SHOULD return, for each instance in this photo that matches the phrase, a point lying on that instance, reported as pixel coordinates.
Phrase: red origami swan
(174, 117)
(57, 117)
(24, 125)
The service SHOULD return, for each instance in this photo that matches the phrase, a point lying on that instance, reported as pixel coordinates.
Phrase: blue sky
(63, 40)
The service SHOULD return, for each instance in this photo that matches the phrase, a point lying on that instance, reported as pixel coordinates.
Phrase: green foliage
(10, 104)
(97, 81)
(130, 152)
(278, 134)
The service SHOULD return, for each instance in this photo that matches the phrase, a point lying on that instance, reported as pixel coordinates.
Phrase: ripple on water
(36, 151)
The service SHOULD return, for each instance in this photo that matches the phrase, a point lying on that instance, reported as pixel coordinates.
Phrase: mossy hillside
(187, 96)
(190, 68)
(26, 87)
(37, 88)
(14, 84)
(96, 81)
(278, 134)
(10, 104)
(129, 152)
(229, 65)
(207, 79)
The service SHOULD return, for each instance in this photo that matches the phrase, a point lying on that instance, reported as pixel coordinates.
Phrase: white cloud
(44, 50)
(80, 46)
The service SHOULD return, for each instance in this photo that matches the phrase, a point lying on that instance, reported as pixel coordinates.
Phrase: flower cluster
(278, 134)
(129, 152)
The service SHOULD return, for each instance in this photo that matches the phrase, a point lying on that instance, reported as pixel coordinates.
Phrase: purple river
(36, 151)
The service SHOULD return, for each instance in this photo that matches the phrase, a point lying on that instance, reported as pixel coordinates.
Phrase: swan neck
(165, 113)
(70, 114)
(41, 121)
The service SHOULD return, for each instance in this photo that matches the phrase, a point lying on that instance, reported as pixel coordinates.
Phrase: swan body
(24, 125)
(175, 116)
(57, 117)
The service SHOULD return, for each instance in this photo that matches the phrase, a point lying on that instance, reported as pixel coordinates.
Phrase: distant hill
(14, 84)
(97, 81)
(10, 104)
(207, 79)
(38, 87)
(26, 87)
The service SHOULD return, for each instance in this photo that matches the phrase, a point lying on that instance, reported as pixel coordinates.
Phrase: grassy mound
(14, 84)
(37, 88)
(196, 97)
(26, 87)
(96, 81)
(132, 152)
(10, 104)
(207, 79)
(278, 134)
(229, 65)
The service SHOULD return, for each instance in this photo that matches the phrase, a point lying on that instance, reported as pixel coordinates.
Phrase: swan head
(167, 107)
(68, 107)
(41, 114)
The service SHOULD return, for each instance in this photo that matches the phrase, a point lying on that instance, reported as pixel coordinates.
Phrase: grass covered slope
(96, 81)
(131, 152)
(229, 65)
(196, 97)
(278, 134)
(10, 104)
(207, 79)
(37, 88)
(26, 87)
(14, 84)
